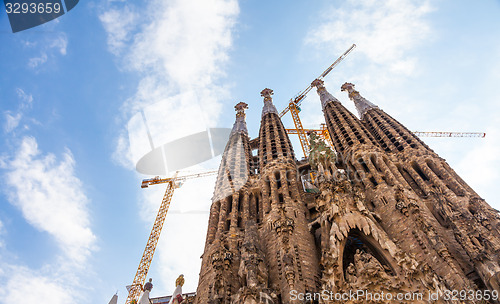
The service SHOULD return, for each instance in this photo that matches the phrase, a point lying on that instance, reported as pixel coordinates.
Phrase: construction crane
(323, 132)
(294, 104)
(172, 183)
(450, 134)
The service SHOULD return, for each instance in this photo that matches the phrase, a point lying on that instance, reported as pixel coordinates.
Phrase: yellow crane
(172, 183)
(294, 104)
(322, 131)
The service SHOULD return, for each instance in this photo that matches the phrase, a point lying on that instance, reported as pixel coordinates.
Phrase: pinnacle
(240, 108)
(266, 93)
(240, 124)
(268, 102)
(361, 103)
(318, 83)
(324, 95)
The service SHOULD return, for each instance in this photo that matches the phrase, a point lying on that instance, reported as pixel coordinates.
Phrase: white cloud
(384, 30)
(38, 287)
(27, 286)
(182, 46)
(187, 41)
(11, 121)
(50, 198)
(26, 99)
(180, 50)
(118, 23)
(481, 160)
(36, 61)
(2, 232)
(123, 154)
(388, 35)
(59, 42)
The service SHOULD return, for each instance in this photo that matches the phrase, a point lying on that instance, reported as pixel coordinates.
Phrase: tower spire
(361, 103)
(240, 124)
(344, 127)
(268, 102)
(235, 165)
(324, 95)
(273, 140)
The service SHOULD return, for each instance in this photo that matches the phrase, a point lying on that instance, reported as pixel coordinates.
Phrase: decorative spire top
(324, 95)
(268, 102)
(240, 124)
(349, 87)
(266, 93)
(318, 83)
(361, 103)
(240, 109)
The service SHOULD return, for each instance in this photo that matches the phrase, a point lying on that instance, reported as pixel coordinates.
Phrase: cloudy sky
(78, 95)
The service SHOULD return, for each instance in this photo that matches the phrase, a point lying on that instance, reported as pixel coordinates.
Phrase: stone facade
(387, 216)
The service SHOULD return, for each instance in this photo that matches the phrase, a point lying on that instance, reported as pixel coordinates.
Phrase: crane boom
(294, 103)
(299, 97)
(147, 256)
(157, 180)
(450, 134)
(323, 132)
(418, 133)
(337, 62)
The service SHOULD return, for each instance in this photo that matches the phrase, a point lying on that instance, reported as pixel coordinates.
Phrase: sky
(73, 218)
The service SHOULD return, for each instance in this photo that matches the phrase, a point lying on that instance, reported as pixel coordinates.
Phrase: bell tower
(229, 213)
(290, 247)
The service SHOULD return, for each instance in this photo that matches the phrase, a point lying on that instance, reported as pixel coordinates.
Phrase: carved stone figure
(320, 153)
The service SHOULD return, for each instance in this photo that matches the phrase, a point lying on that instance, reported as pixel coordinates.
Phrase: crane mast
(147, 256)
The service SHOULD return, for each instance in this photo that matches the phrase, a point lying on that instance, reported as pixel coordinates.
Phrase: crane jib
(294, 104)
(326, 72)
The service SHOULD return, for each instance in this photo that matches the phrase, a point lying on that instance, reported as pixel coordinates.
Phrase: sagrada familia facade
(383, 220)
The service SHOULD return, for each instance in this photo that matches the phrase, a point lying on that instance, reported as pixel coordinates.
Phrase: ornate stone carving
(320, 153)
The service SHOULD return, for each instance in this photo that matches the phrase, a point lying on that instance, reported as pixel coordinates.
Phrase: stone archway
(360, 248)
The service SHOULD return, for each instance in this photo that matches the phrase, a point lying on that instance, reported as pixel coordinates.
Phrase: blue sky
(73, 218)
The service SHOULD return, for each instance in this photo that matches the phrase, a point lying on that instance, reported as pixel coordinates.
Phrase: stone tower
(383, 216)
